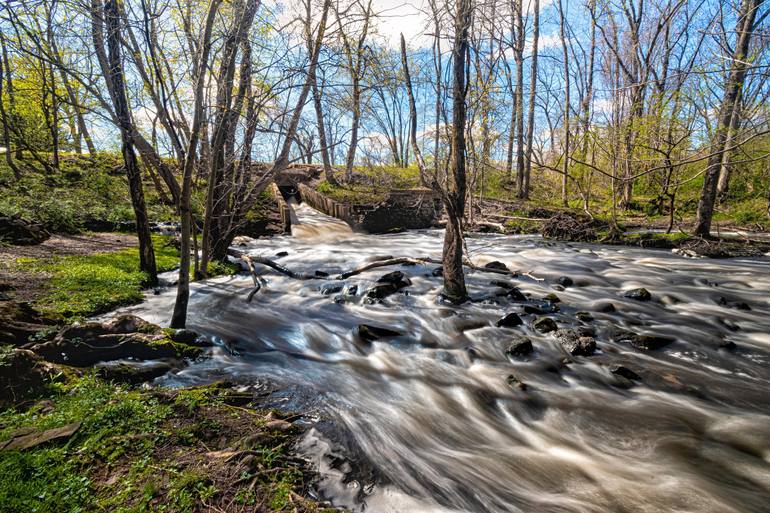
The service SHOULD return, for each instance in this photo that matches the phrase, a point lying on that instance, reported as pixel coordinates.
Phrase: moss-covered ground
(189, 450)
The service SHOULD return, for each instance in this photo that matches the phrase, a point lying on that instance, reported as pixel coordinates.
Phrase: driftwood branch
(251, 260)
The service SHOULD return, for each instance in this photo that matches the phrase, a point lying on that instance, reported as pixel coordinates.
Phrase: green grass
(139, 451)
(55, 478)
(85, 285)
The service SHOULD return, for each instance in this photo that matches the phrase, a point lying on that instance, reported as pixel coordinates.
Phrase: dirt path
(27, 286)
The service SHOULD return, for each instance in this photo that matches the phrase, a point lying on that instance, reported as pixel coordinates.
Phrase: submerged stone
(510, 320)
(640, 294)
(544, 324)
(565, 281)
(620, 370)
(575, 344)
(369, 333)
(584, 316)
(499, 266)
(521, 346)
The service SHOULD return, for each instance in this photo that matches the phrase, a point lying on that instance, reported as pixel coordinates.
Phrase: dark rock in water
(281, 254)
(521, 346)
(645, 342)
(183, 336)
(352, 290)
(23, 375)
(502, 284)
(565, 281)
(321, 274)
(395, 280)
(381, 291)
(640, 294)
(743, 306)
(497, 266)
(438, 271)
(586, 331)
(394, 277)
(368, 332)
(625, 372)
(728, 345)
(15, 230)
(540, 308)
(575, 344)
(132, 373)
(510, 320)
(552, 298)
(606, 308)
(651, 342)
(584, 316)
(331, 288)
(515, 383)
(515, 294)
(544, 324)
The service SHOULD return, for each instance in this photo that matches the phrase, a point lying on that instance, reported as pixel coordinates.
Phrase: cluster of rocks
(125, 349)
(20, 232)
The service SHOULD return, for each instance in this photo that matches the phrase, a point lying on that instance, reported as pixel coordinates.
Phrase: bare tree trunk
(317, 105)
(454, 278)
(5, 73)
(726, 171)
(565, 56)
(519, 99)
(524, 190)
(179, 317)
(733, 86)
(115, 72)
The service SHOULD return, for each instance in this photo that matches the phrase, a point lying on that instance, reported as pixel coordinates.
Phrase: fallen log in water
(251, 260)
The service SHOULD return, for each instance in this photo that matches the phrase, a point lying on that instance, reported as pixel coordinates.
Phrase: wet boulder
(520, 346)
(565, 281)
(544, 325)
(20, 232)
(497, 266)
(321, 274)
(625, 372)
(328, 289)
(388, 284)
(502, 284)
(514, 294)
(606, 308)
(552, 298)
(438, 271)
(575, 344)
(381, 291)
(370, 333)
(640, 294)
(510, 320)
(189, 337)
(540, 308)
(644, 342)
(584, 316)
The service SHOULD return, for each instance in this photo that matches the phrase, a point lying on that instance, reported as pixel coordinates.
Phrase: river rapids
(433, 411)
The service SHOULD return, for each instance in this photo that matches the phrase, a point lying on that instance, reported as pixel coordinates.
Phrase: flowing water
(433, 413)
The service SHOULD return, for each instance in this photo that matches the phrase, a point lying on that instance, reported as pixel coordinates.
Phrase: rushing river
(433, 411)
